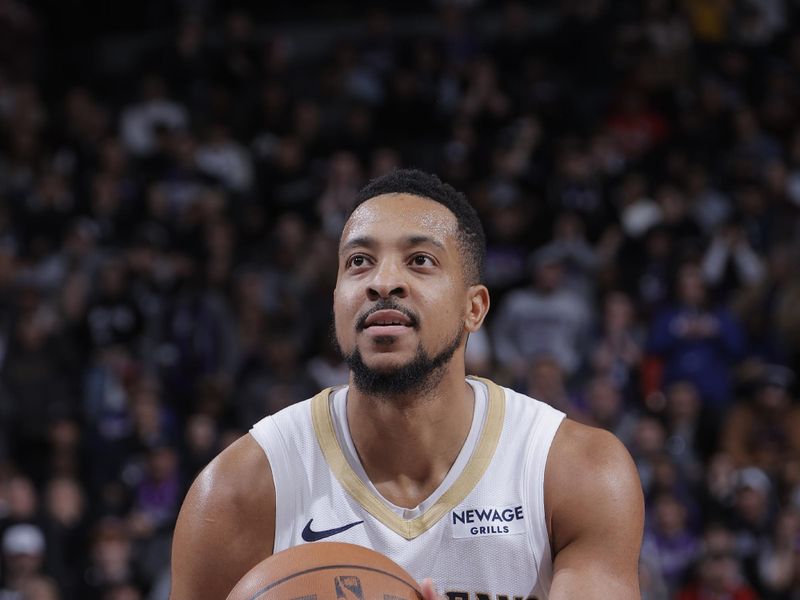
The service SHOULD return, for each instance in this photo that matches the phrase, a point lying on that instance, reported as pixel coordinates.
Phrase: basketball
(327, 571)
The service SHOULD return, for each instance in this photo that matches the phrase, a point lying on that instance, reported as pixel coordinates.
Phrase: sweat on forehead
(401, 212)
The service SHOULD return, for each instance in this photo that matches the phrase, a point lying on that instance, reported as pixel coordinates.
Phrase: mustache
(386, 305)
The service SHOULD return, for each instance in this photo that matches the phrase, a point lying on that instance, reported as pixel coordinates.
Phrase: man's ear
(477, 307)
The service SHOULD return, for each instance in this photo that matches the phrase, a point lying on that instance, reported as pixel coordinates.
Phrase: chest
(480, 545)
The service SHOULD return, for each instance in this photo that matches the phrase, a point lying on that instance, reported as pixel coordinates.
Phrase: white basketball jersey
(483, 538)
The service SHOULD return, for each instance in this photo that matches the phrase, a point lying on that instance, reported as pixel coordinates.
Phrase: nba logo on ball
(326, 571)
(348, 587)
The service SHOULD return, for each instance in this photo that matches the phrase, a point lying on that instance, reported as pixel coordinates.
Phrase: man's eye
(357, 261)
(421, 260)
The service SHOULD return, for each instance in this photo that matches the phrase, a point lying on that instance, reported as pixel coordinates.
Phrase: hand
(429, 590)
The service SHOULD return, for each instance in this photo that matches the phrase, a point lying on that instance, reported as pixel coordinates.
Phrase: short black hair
(471, 237)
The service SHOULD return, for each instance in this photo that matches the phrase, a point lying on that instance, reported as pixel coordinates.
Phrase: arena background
(174, 176)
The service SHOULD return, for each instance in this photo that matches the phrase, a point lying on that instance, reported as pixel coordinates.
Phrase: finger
(429, 590)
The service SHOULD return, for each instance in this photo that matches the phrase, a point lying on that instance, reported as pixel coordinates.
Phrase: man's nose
(388, 280)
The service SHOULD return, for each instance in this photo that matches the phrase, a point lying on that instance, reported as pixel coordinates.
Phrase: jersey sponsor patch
(488, 520)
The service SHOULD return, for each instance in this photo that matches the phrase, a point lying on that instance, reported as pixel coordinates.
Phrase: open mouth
(388, 319)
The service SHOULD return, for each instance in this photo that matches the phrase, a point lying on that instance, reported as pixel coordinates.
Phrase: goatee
(418, 376)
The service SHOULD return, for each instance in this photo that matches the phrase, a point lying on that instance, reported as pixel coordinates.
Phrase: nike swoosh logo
(310, 535)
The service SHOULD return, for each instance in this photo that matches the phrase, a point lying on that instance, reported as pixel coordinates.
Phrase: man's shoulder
(238, 474)
(594, 508)
(230, 505)
(590, 477)
(589, 448)
(233, 493)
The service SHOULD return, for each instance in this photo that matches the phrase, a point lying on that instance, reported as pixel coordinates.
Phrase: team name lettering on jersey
(489, 520)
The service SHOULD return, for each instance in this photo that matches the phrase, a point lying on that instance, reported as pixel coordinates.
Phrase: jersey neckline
(410, 528)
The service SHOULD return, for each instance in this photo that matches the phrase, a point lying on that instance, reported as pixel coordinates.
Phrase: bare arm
(226, 524)
(595, 515)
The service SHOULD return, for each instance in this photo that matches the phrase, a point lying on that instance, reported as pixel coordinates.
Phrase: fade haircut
(471, 238)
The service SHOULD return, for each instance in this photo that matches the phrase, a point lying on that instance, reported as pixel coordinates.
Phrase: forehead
(399, 216)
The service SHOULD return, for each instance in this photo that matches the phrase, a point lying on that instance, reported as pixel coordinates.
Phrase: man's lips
(387, 317)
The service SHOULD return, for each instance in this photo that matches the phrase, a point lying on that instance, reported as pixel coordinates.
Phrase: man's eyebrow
(416, 240)
(363, 241)
(370, 242)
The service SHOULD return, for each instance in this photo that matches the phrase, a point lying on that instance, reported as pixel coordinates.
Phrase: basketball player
(489, 493)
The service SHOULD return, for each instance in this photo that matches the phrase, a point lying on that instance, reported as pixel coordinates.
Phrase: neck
(408, 443)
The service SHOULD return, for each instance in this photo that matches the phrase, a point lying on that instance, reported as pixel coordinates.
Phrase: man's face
(691, 287)
(549, 276)
(401, 299)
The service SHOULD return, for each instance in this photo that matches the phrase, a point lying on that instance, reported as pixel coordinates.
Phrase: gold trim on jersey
(352, 483)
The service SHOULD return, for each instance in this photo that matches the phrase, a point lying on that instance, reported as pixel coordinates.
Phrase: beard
(421, 374)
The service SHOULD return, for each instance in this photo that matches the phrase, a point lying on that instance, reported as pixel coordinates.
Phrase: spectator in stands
(546, 318)
(579, 258)
(122, 591)
(697, 341)
(23, 553)
(40, 587)
(710, 207)
(272, 377)
(113, 317)
(673, 543)
(508, 229)
(22, 502)
(200, 445)
(66, 526)
(647, 448)
(730, 256)
(110, 561)
(577, 189)
(604, 406)
(690, 437)
(647, 277)
(546, 380)
(677, 218)
(718, 489)
(766, 309)
(764, 429)
(719, 572)
(343, 180)
(34, 378)
(651, 584)
(779, 558)
(635, 125)
(618, 349)
(668, 479)
(140, 122)
(141, 279)
(157, 494)
(753, 518)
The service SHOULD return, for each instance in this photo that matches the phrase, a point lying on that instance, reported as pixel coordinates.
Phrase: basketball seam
(327, 567)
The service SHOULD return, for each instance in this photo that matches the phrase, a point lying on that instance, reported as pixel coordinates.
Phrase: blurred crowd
(168, 234)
